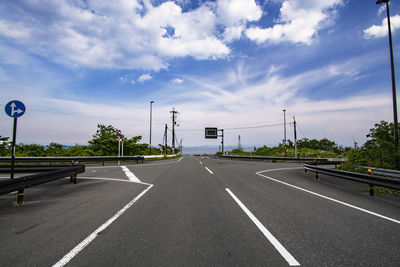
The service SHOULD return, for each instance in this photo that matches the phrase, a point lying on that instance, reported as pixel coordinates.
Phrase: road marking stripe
(209, 170)
(285, 254)
(93, 235)
(201, 162)
(282, 169)
(110, 179)
(130, 175)
(331, 199)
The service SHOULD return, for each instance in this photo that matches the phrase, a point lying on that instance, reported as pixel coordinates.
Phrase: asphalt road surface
(196, 211)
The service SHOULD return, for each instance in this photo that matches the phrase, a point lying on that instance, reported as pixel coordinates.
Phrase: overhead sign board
(15, 109)
(211, 133)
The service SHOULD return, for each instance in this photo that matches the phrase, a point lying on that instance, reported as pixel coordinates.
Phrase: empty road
(199, 211)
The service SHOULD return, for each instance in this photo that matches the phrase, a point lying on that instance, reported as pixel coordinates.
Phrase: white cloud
(376, 31)
(122, 34)
(14, 30)
(234, 14)
(177, 81)
(299, 22)
(144, 77)
(381, 9)
(207, 101)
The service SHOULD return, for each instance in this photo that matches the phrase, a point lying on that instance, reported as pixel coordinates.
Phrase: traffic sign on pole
(15, 109)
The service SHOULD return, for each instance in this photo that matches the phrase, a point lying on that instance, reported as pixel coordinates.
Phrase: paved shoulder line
(93, 235)
(281, 249)
(325, 197)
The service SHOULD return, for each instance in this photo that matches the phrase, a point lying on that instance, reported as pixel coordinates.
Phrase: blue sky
(226, 63)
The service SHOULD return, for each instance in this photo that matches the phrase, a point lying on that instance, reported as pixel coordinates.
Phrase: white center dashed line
(209, 170)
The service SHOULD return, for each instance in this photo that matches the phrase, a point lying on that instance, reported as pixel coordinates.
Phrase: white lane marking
(111, 179)
(93, 235)
(281, 249)
(130, 175)
(209, 170)
(282, 169)
(180, 159)
(331, 199)
(201, 162)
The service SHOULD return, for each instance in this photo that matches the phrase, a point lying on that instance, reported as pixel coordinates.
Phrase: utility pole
(284, 130)
(222, 142)
(174, 112)
(151, 111)
(395, 122)
(295, 137)
(239, 143)
(165, 139)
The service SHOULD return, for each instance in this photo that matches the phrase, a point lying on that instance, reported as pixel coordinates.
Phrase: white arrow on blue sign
(15, 109)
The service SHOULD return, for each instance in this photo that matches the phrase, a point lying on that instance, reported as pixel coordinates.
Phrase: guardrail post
(371, 190)
(73, 179)
(371, 186)
(20, 197)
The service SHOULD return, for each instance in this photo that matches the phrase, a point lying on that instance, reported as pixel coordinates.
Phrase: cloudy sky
(226, 63)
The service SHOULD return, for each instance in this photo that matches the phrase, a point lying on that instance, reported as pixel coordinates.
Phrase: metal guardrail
(319, 161)
(72, 159)
(372, 180)
(19, 184)
(31, 168)
(386, 172)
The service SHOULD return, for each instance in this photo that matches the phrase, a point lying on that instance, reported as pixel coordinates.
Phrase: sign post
(15, 109)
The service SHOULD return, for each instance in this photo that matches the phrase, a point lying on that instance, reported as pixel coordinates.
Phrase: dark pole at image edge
(396, 130)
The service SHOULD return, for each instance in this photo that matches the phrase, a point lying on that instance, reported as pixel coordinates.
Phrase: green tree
(78, 150)
(31, 150)
(4, 146)
(54, 150)
(132, 147)
(379, 149)
(105, 140)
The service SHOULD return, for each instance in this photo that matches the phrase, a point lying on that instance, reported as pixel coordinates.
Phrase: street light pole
(396, 130)
(284, 130)
(151, 110)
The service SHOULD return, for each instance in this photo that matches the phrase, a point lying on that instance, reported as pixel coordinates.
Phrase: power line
(253, 127)
(303, 134)
(236, 128)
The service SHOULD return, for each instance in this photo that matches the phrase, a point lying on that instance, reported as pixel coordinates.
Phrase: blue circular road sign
(15, 109)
